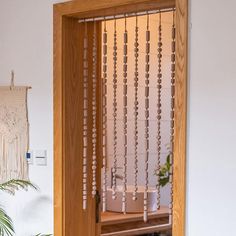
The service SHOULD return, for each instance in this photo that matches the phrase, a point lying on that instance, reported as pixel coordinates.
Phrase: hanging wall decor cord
(125, 112)
(104, 118)
(85, 118)
(114, 170)
(172, 115)
(159, 109)
(136, 80)
(94, 112)
(14, 133)
(147, 75)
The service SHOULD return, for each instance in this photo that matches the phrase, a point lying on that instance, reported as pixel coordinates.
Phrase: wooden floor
(118, 224)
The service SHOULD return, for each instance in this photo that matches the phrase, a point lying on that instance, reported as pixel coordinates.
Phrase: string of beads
(114, 170)
(94, 112)
(147, 75)
(104, 134)
(125, 112)
(136, 80)
(85, 116)
(172, 116)
(159, 111)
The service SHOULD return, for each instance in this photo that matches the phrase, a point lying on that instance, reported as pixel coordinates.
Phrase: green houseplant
(11, 186)
(164, 173)
(6, 224)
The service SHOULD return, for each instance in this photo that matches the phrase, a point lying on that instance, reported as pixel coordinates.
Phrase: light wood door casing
(69, 218)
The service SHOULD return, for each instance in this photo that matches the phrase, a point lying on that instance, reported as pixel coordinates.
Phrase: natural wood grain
(179, 179)
(92, 8)
(68, 215)
(99, 116)
(133, 224)
(109, 218)
(158, 226)
(58, 126)
(70, 219)
(140, 228)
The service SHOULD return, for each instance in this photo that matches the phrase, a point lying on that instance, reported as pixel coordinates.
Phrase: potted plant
(6, 224)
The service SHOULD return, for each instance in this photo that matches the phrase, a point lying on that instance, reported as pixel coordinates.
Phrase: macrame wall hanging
(118, 64)
(14, 132)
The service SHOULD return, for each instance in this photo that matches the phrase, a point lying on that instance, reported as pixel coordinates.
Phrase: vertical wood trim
(99, 118)
(58, 123)
(69, 218)
(77, 221)
(179, 190)
(64, 210)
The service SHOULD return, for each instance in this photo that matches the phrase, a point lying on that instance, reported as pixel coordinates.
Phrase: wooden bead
(173, 46)
(85, 43)
(105, 38)
(147, 48)
(146, 104)
(147, 91)
(172, 57)
(173, 32)
(147, 35)
(125, 49)
(125, 37)
(172, 67)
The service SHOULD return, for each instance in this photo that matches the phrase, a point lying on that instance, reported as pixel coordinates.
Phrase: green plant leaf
(15, 184)
(164, 181)
(164, 172)
(6, 225)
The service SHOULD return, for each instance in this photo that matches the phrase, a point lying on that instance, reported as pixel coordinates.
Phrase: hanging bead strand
(136, 77)
(114, 170)
(104, 118)
(85, 116)
(172, 115)
(147, 75)
(125, 112)
(94, 112)
(159, 111)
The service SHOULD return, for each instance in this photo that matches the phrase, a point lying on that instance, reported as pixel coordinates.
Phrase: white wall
(211, 191)
(26, 47)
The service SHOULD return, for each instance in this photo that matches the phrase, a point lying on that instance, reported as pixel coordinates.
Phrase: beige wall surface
(26, 47)
(211, 166)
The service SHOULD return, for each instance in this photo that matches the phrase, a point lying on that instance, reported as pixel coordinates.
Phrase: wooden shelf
(113, 223)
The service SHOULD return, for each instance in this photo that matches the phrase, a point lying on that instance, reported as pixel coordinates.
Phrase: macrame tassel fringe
(12, 158)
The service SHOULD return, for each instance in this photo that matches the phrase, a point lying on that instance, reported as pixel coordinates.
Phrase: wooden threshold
(132, 223)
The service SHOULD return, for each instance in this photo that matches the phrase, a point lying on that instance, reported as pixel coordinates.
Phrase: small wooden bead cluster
(172, 116)
(85, 117)
(104, 148)
(159, 109)
(94, 112)
(147, 75)
(136, 80)
(125, 112)
(114, 169)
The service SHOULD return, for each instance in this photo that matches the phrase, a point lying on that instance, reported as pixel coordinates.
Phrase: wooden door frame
(65, 71)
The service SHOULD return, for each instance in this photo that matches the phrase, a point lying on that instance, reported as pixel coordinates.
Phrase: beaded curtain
(138, 88)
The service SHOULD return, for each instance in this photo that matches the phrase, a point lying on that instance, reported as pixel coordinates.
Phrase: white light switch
(40, 157)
